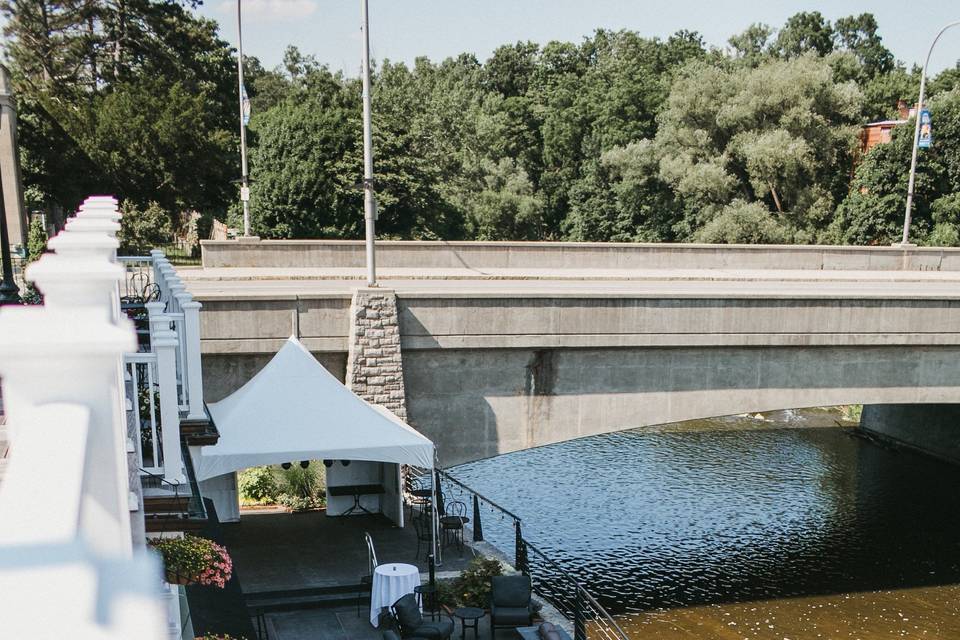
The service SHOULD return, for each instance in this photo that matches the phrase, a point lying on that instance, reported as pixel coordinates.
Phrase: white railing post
(67, 568)
(68, 351)
(164, 343)
(191, 342)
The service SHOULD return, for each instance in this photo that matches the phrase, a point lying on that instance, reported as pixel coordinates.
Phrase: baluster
(191, 327)
(164, 344)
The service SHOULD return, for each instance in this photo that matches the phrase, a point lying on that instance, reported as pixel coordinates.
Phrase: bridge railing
(551, 581)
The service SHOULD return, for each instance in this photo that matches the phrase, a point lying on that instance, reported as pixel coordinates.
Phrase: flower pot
(175, 578)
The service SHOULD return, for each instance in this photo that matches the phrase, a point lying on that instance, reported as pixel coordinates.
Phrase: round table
(390, 583)
(468, 613)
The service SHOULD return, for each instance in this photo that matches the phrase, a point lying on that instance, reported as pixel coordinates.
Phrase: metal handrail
(479, 495)
(582, 599)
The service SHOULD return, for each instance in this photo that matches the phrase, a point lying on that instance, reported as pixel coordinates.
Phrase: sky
(402, 30)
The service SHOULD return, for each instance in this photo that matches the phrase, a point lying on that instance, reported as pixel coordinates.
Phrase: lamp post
(905, 241)
(9, 291)
(369, 195)
(241, 92)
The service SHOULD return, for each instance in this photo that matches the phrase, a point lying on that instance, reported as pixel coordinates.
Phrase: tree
(751, 45)
(304, 184)
(104, 85)
(143, 228)
(780, 134)
(858, 35)
(804, 32)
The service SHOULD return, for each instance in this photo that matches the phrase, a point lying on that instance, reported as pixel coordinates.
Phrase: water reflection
(798, 520)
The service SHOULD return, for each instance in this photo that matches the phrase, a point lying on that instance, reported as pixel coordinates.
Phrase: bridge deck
(276, 283)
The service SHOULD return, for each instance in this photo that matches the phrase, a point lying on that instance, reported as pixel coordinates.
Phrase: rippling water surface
(743, 527)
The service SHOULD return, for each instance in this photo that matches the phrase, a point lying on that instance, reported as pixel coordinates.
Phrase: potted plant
(194, 560)
(473, 584)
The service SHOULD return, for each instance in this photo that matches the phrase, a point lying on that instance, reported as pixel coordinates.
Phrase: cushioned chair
(510, 602)
(390, 635)
(412, 625)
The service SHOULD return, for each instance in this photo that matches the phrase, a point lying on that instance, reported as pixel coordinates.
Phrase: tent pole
(434, 520)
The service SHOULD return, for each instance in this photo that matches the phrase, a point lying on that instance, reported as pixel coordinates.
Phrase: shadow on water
(718, 513)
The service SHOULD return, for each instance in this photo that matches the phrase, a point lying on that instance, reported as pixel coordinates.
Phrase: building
(881, 132)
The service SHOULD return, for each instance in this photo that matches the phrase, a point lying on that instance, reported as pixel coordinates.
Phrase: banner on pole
(926, 130)
(245, 106)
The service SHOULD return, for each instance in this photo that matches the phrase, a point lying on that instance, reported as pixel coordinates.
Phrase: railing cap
(41, 333)
(88, 242)
(105, 225)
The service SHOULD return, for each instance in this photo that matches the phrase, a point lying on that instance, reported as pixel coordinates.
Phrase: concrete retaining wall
(572, 255)
(933, 429)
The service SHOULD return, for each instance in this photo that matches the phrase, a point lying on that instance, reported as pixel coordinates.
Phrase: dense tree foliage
(133, 97)
(618, 137)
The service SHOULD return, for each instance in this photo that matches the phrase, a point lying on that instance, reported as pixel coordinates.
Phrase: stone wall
(374, 365)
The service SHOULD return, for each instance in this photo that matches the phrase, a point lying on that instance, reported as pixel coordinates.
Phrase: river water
(780, 526)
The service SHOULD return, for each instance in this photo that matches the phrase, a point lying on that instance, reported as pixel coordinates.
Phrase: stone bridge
(507, 346)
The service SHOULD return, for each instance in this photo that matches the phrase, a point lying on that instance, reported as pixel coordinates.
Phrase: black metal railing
(551, 581)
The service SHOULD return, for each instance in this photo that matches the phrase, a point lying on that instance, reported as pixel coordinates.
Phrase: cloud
(272, 9)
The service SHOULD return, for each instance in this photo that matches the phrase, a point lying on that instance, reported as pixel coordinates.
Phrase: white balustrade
(164, 343)
(67, 568)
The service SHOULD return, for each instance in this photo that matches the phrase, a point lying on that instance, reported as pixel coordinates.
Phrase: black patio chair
(406, 611)
(451, 523)
(422, 525)
(510, 604)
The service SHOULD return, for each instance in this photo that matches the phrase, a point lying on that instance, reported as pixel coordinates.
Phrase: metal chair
(422, 525)
(367, 580)
(452, 522)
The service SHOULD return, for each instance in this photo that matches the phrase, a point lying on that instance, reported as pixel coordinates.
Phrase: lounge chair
(510, 602)
(406, 611)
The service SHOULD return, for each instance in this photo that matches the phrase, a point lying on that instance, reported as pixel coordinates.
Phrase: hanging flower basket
(194, 560)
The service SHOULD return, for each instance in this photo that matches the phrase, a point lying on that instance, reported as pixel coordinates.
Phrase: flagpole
(369, 196)
(244, 186)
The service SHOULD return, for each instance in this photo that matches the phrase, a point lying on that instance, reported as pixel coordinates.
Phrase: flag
(926, 130)
(244, 106)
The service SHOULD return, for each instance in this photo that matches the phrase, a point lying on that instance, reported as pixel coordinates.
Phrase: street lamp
(916, 139)
(244, 114)
(9, 291)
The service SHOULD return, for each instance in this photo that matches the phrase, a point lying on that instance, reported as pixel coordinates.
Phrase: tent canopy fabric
(294, 409)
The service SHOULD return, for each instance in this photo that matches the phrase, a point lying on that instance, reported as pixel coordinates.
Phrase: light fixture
(328, 463)
(304, 464)
(286, 465)
(345, 463)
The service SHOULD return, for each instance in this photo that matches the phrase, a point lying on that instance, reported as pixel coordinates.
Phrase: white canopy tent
(294, 409)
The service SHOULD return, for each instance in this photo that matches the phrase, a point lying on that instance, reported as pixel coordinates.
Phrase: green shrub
(258, 485)
(473, 585)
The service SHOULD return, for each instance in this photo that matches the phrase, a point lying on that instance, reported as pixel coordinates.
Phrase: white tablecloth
(390, 583)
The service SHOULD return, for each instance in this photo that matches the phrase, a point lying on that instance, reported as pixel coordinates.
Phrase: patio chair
(510, 602)
(411, 622)
(452, 523)
(422, 525)
(366, 581)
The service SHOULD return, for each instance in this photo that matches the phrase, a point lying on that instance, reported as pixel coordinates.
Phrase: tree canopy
(617, 137)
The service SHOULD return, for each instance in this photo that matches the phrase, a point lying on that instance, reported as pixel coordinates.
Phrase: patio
(343, 624)
(279, 551)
